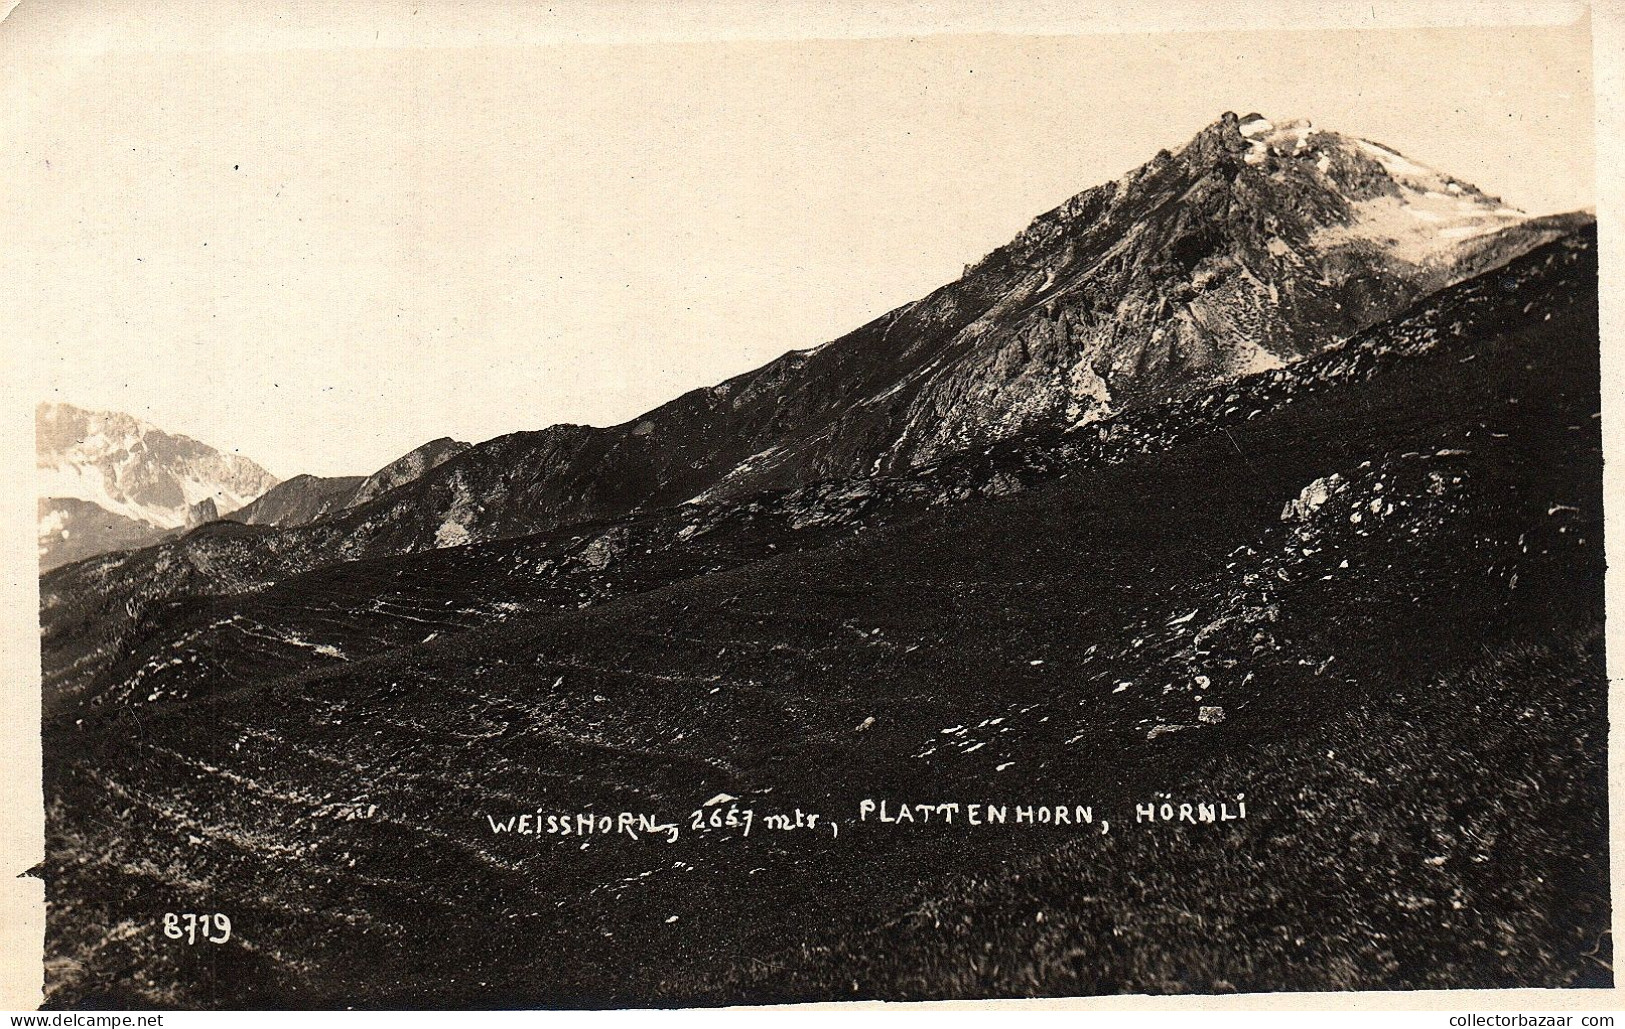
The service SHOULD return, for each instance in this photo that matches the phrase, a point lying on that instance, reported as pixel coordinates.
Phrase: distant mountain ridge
(107, 480)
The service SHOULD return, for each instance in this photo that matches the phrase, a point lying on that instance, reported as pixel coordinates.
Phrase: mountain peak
(408, 467)
(1255, 245)
(133, 468)
(1229, 134)
(108, 480)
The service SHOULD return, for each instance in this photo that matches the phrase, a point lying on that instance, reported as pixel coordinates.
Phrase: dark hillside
(1364, 591)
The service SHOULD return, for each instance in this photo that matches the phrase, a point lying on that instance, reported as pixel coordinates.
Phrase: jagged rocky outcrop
(202, 512)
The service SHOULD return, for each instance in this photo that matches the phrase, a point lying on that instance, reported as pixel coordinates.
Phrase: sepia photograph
(686, 507)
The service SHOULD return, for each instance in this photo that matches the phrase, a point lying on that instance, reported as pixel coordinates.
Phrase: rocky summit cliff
(106, 480)
(1252, 246)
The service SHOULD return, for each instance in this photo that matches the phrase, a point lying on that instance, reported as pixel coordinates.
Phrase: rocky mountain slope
(308, 498)
(406, 468)
(1252, 591)
(1252, 246)
(108, 481)
(300, 500)
(393, 602)
(71, 530)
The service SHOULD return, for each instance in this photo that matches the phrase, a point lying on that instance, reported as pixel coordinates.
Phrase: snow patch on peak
(1262, 135)
(1395, 163)
(1293, 133)
(1417, 228)
(1422, 219)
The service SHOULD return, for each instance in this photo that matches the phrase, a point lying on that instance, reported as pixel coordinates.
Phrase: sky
(323, 248)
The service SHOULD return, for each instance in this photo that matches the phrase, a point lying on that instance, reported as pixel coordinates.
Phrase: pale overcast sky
(323, 255)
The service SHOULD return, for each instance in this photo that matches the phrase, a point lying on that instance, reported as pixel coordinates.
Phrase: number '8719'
(197, 928)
